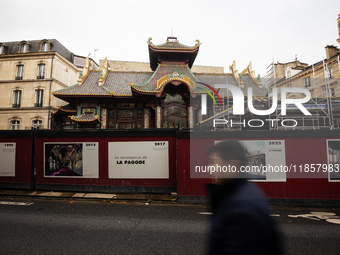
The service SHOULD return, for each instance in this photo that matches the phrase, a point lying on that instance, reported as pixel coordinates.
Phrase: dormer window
(288, 72)
(45, 46)
(23, 48)
(2, 49)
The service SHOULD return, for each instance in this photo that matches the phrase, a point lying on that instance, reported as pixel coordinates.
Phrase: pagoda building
(168, 96)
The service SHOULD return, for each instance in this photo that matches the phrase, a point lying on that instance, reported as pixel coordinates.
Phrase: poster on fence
(71, 160)
(138, 160)
(266, 160)
(7, 159)
(333, 162)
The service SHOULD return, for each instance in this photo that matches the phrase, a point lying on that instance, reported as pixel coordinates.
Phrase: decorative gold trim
(63, 110)
(175, 77)
(82, 94)
(104, 73)
(75, 118)
(85, 72)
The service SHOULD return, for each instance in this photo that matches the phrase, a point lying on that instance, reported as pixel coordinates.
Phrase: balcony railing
(18, 78)
(41, 77)
(16, 105)
(37, 104)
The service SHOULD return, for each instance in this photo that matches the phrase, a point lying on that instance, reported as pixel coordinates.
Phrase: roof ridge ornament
(104, 72)
(85, 72)
(172, 39)
(237, 77)
(149, 41)
(251, 73)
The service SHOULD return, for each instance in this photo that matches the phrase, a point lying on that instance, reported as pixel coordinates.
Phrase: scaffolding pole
(329, 106)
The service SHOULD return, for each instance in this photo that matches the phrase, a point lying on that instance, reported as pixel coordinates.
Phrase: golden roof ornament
(104, 72)
(85, 72)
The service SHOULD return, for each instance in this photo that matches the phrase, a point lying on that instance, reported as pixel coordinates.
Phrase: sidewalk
(159, 197)
(76, 195)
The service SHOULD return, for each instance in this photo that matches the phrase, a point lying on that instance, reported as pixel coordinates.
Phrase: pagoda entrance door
(174, 111)
(175, 116)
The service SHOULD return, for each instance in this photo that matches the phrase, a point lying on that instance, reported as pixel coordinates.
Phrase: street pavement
(71, 226)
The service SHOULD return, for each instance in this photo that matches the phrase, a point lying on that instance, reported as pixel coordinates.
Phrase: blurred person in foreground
(241, 221)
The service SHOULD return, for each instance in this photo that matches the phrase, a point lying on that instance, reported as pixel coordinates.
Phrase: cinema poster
(71, 160)
(7, 159)
(138, 160)
(333, 160)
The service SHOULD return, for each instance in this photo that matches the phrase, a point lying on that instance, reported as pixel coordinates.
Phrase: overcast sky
(258, 31)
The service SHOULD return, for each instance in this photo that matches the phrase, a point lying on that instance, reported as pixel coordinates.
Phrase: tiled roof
(85, 117)
(122, 83)
(88, 87)
(257, 91)
(118, 82)
(69, 108)
(212, 79)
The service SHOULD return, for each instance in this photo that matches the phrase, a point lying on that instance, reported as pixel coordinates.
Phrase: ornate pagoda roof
(125, 84)
(172, 51)
(69, 108)
(85, 117)
(173, 44)
(165, 74)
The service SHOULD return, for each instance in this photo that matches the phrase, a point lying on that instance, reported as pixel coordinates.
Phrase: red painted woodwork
(298, 151)
(23, 159)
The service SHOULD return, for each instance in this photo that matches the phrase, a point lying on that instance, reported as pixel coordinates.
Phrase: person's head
(229, 154)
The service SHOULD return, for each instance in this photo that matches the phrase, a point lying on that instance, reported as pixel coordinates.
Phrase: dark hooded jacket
(241, 221)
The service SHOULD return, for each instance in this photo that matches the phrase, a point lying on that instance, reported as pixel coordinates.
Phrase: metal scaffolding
(324, 105)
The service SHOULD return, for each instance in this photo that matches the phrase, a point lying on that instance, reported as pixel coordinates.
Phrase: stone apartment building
(29, 70)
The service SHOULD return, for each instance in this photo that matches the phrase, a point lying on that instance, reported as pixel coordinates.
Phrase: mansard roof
(34, 46)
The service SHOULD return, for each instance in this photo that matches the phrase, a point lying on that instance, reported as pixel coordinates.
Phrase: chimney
(331, 51)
